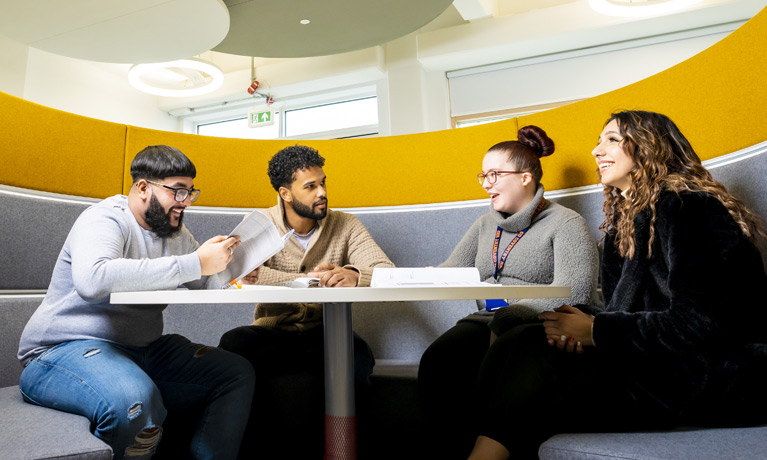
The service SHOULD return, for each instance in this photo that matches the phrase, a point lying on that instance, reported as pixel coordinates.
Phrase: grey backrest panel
(33, 230)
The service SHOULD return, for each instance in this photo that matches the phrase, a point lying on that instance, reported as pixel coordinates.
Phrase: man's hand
(251, 277)
(216, 253)
(334, 276)
(568, 328)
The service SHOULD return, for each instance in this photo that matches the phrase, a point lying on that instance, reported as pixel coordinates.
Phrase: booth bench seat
(397, 332)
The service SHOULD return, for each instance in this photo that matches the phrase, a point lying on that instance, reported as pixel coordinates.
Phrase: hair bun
(537, 139)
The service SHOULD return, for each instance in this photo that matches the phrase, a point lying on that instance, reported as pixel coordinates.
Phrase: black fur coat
(689, 324)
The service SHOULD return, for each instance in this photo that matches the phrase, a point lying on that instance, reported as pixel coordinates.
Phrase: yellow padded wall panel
(718, 98)
(54, 151)
(419, 168)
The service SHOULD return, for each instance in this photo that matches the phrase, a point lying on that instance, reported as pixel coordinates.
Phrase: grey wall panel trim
(46, 196)
(22, 293)
(735, 157)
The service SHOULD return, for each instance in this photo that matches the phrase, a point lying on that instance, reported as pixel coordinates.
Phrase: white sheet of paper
(433, 276)
(259, 240)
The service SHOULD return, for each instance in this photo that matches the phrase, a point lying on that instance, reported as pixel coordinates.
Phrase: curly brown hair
(663, 160)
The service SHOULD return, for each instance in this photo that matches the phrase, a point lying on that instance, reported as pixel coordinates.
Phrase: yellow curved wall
(718, 98)
(417, 168)
(46, 149)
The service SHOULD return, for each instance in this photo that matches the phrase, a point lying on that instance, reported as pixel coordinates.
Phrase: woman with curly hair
(680, 341)
(523, 239)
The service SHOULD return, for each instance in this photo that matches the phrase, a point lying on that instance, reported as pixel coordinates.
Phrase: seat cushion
(680, 444)
(33, 432)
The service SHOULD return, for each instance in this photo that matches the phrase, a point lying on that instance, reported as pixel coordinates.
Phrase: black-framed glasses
(181, 194)
(492, 176)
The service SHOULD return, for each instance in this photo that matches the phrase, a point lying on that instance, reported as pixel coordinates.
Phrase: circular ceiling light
(639, 7)
(304, 21)
(181, 78)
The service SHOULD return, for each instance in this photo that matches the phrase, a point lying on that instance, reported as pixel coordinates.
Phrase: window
(489, 117)
(331, 117)
(239, 128)
(349, 118)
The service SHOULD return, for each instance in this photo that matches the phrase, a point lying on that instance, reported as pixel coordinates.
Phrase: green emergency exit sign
(260, 117)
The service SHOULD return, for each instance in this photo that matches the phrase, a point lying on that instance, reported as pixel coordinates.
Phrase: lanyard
(499, 262)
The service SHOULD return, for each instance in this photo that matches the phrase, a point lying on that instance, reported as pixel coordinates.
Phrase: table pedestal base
(340, 437)
(340, 416)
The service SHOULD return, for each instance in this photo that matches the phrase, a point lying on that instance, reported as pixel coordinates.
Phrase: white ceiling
(141, 31)
(229, 32)
(449, 17)
(269, 28)
(131, 32)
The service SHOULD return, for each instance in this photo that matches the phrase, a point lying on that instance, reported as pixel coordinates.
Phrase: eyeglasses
(492, 176)
(181, 194)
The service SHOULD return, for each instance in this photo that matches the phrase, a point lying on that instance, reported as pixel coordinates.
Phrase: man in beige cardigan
(285, 342)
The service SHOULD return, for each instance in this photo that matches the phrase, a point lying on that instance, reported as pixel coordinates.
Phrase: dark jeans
(525, 391)
(287, 413)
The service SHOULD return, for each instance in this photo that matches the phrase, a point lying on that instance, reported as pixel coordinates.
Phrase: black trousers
(520, 391)
(448, 388)
(287, 413)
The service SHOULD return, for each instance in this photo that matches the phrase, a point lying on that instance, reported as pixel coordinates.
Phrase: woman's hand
(568, 328)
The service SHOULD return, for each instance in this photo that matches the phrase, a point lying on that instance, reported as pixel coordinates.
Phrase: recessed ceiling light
(181, 78)
(304, 21)
(639, 7)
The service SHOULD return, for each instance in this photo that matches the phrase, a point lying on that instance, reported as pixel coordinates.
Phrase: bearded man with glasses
(111, 363)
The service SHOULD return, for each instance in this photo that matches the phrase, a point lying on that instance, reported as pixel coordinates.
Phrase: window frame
(239, 110)
(506, 114)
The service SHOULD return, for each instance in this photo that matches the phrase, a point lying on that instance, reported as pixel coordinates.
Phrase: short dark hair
(284, 164)
(159, 162)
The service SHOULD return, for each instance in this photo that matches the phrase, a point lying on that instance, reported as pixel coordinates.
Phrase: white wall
(574, 75)
(91, 89)
(409, 73)
(13, 69)
(410, 109)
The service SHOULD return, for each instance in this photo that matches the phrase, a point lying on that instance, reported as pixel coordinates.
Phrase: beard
(309, 211)
(159, 221)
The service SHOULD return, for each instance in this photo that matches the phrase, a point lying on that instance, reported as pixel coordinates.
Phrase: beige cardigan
(341, 239)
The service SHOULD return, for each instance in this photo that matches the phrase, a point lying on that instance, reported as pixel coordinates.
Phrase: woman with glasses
(523, 239)
(681, 341)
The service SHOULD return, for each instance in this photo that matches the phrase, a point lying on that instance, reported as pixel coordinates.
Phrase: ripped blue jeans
(126, 392)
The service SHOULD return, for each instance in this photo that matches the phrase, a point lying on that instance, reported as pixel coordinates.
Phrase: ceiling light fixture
(304, 21)
(639, 7)
(181, 78)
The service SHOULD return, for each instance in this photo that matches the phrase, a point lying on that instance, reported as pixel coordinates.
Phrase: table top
(274, 294)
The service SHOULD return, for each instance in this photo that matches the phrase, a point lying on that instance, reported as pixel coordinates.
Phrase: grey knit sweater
(108, 251)
(558, 249)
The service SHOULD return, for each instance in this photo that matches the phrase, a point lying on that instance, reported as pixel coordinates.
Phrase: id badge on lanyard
(494, 304)
(498, 262)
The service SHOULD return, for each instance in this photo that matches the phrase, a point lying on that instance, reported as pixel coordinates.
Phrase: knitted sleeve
(363, 253)
(576, 265)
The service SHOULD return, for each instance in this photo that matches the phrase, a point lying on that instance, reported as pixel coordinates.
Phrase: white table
(340, 419)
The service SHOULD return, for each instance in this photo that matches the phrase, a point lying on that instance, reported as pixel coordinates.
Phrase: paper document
(441, 276)
(302, 282)
(259, 240)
